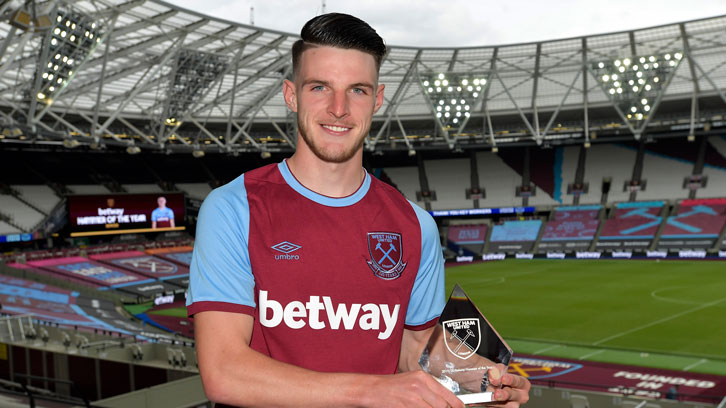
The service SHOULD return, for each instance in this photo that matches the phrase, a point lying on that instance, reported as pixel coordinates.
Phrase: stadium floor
(661, 314)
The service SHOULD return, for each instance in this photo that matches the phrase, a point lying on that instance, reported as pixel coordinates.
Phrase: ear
(288, 91)
(379, 98)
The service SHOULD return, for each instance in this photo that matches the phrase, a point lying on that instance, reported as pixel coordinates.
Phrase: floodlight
(197, 153)
(411, 152)
(626, 61)
(644, 101)
(586, 145)
(691, 138)
(265, 155)
(441, 76)
(133, 149)
(601, 65)
(678, 55)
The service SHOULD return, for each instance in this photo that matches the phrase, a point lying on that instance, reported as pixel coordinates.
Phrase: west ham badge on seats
(462, 349)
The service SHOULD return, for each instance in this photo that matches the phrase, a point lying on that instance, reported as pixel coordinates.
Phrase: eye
(359, 91)
(318, 88)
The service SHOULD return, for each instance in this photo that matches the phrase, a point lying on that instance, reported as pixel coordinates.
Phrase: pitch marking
(654, 295)
(547, 349)
(659, 321)
(591, 354)
(697, 363)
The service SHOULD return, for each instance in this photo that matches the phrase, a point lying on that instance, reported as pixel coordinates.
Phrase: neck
(329, 179)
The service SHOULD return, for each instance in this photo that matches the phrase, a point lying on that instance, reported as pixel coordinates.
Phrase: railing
(35, 393)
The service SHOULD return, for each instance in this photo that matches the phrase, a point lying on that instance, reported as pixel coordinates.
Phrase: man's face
(335, 95)
(161, 201)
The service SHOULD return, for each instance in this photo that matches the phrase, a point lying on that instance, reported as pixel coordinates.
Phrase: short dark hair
(341, 31)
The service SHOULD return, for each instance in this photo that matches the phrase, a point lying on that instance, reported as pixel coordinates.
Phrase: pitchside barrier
(685, 254)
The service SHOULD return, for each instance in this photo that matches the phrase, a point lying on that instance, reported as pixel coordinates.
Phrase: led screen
(125, 213)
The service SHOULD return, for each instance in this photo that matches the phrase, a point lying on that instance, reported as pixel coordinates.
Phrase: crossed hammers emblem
(391, 248)
(462, 341)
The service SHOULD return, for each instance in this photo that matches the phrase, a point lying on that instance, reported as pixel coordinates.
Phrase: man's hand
(515, 388)
(412, 389)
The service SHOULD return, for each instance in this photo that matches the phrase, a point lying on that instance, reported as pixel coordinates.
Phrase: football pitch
(663, 314)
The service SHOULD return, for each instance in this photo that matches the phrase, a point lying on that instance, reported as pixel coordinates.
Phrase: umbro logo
(286, 248)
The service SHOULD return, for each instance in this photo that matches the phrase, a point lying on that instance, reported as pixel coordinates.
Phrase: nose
(338, 104)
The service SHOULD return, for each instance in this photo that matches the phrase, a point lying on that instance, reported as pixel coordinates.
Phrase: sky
(446, 23)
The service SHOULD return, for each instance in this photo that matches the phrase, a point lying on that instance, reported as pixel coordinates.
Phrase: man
(313, 284)
(163, 216)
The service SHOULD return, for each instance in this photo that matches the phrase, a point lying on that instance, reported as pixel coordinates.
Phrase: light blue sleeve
(220, 270)
(427, 296)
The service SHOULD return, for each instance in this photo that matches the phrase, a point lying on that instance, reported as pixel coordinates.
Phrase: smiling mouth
(337, 129)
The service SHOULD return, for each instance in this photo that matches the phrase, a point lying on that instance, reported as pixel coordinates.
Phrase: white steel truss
(549, 92)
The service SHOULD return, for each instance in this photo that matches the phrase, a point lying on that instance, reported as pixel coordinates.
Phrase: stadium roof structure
(145, 74)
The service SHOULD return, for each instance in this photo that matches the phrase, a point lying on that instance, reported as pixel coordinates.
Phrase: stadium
(578, 185)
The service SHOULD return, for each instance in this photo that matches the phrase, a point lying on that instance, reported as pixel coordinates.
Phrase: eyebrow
(327, 83)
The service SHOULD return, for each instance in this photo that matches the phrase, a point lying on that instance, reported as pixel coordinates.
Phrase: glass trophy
(462, 349)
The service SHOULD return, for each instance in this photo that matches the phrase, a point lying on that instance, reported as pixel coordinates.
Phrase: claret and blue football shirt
(330, 282)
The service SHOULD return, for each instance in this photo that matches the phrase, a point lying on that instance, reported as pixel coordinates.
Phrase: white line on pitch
(547, 349)
(591, 354)
(659, 321)
(697, 363)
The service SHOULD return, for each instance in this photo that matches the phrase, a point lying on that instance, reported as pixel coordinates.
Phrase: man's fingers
(516, 381)
(514, 395)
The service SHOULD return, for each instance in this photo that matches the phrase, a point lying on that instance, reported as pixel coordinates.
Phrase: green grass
(669, 314)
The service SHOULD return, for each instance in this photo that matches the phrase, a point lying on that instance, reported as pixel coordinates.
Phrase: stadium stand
(608, 161)
(697, 224)
(6, 228)
(467, 239)
(566, 165)
(406, 179)
(87, 189)
(573, 228)
(633, 226)
(41, 197)
(21, 215)
(664, 177)
(498, 180)
(449, 179)
(514, 236)
(195, 190)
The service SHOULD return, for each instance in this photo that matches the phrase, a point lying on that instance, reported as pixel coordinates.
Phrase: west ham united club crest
(462, 337)
(386, 250)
